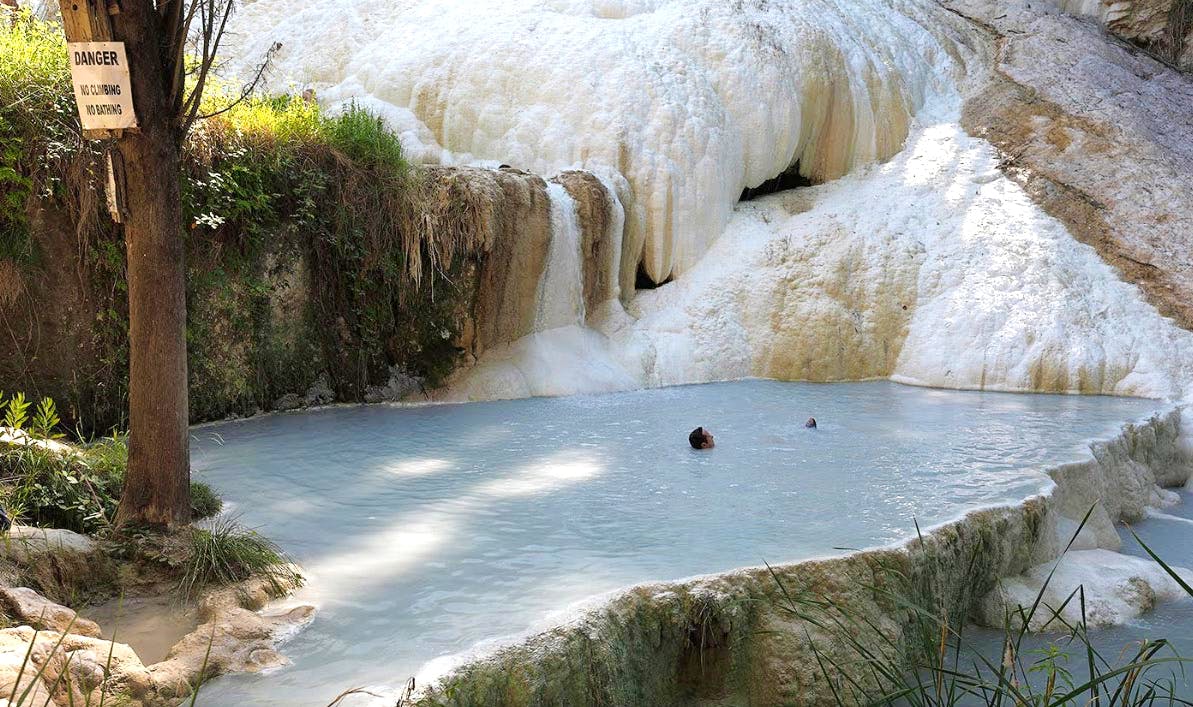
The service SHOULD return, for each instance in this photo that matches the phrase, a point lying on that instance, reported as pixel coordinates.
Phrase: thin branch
(211, 42)
(206, 21)
(249, 88)
(178, 38)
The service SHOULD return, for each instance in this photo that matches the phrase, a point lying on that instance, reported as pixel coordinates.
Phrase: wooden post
(89, 21)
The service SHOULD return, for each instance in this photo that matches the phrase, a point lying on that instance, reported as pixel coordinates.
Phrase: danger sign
(99, 71)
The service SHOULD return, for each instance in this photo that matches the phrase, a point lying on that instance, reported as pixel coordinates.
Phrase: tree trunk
(157, 484)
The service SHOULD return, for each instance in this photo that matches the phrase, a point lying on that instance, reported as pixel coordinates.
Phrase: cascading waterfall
(561, 287)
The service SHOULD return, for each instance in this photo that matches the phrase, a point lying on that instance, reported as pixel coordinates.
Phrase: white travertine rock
(236, 636)
(949, 276)
(689, 100)
(1116, 587)
(1150, 23)
(35, 610)
(1101, 136)
(932, 269)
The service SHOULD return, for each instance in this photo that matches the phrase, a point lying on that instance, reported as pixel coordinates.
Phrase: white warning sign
(103, 91)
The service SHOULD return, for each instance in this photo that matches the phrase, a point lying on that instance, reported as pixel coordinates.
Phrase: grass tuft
(227, 553)
(204, 501)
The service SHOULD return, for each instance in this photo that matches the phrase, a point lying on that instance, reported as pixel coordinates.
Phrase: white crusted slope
(932, 269)
(1116, 588)
(691, 100)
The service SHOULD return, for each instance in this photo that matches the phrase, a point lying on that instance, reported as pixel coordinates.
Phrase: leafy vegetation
(39, 138)
(47, 488)
(278, 196)
(76, 487)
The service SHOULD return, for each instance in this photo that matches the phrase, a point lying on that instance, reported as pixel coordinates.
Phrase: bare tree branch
(179, 34)
(214, 15)
(249, 88)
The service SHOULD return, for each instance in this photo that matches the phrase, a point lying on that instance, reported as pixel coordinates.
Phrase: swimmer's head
(700, 438)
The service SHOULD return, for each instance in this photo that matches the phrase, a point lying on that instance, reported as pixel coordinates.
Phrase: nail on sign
(99, 71)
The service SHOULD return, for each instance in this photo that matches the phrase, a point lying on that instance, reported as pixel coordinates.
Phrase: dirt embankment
(279, 328)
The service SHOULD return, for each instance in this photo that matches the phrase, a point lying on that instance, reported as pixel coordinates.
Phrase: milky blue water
(424, 530)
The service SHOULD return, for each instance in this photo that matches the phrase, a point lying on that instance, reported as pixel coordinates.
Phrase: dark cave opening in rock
(643, 281)
(789, 179)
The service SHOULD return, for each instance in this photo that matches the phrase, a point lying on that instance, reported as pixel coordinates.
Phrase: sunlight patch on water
(544, 476)
(418, 467)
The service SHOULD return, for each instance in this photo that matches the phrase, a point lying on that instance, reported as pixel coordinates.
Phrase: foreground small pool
(427, 530)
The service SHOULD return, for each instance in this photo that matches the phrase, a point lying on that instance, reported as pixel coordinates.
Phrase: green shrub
(204, 501)
(76, 490)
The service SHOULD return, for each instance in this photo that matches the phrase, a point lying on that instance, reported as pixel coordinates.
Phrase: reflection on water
(427, 529)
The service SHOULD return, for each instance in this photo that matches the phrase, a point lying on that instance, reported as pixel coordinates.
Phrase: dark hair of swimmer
(700, 438)
(811, 423)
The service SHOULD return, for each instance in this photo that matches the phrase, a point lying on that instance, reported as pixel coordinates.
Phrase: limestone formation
(510, 211)
(951, 276)
(601, 223)
(688, 100)
(235, 635)
(29, 607)
(1164, 27)
(70, 668)
(1100, 137)
(1113, 589)
(953, 264)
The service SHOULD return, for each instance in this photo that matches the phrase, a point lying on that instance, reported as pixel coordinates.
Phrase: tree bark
(157, 483)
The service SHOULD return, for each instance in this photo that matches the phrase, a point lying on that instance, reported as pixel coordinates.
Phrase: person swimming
(701, 438)
(811, 423)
